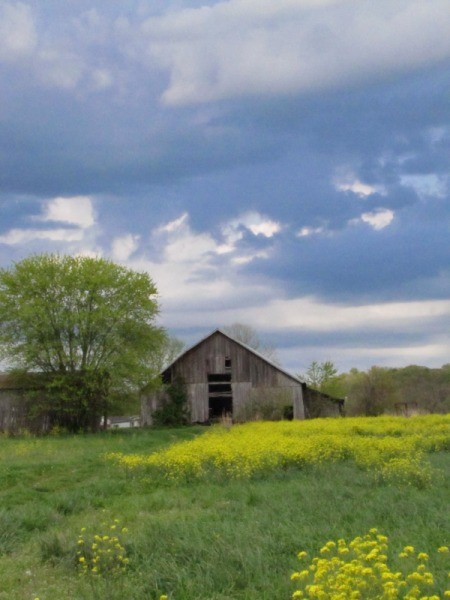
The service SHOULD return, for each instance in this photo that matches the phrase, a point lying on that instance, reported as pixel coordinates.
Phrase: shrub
(265, 404)
(173, 410)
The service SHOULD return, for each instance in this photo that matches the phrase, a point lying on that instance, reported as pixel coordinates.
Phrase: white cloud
(243, 47)
(76, 210)
(346, 181)
(124, 246)
(307, 231)
(17, 31)
(247, 258)
(309, 314)
(194, 270)
(357, 187)
(378, 219)
(252, 221)
(24, 236)
(175, 224)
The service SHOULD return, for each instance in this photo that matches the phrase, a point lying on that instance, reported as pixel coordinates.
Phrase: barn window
(227, 363)
(218, 377)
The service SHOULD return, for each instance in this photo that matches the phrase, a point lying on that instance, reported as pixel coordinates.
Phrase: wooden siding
(198, 402)
(209, 356)
(217, 355)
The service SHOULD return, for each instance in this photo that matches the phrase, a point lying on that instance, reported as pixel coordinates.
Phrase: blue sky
(282, 164)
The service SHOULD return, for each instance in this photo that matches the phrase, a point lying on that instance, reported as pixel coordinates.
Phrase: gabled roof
(248, 348)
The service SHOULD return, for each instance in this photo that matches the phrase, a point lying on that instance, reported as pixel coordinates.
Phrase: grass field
(207, 537)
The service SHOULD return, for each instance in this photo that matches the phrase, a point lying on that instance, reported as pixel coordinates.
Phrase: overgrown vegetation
(267, 404)
(173, 410)
(203, 540)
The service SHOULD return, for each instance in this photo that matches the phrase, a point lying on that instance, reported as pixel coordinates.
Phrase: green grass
(203, 541)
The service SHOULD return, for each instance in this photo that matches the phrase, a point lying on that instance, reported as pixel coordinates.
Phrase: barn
(223, 376)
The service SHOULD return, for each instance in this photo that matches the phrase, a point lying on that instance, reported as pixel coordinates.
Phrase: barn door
(220, 395)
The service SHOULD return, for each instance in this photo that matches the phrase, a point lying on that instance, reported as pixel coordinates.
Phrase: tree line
(382, 390)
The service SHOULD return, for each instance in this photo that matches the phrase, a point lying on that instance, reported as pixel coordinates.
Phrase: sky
(281, 164)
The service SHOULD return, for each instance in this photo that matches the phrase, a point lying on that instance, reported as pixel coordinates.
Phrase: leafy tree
(371, 393)
(86, 325)
(319, 374)
(168, 352)
(249, 336)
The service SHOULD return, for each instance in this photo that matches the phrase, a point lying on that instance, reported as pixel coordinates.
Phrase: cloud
(77, 210)
(348, 182)
(308, 313)
(378, 219)
(307, 231)
(254, 222)
(24, 236)
(123, 247)
(244, 47)
(17, 31)
(426, 185)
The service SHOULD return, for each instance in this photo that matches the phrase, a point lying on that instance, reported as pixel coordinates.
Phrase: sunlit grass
(216, 538)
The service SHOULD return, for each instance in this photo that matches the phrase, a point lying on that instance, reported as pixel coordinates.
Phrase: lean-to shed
(223, 376)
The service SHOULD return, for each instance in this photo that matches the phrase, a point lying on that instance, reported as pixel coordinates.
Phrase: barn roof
(248, 348)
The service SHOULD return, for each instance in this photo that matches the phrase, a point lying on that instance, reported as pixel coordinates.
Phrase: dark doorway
(220, 395)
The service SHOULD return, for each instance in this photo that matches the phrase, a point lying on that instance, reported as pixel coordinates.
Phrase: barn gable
(223, 376)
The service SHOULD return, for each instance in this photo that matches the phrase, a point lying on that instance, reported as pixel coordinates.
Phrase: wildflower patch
(394, 448)
(360, 570)
(102, 554)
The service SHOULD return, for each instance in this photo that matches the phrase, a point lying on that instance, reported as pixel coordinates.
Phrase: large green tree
(86, 325)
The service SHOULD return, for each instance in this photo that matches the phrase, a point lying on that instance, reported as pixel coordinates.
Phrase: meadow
(221, 513)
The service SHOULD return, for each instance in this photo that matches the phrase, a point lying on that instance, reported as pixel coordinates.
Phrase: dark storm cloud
(202, 124)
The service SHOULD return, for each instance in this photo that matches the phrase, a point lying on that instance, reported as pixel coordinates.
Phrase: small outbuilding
(224, 377)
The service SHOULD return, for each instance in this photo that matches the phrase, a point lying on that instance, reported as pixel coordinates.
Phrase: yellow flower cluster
(102, 554)
(393, 447)
(359, 570)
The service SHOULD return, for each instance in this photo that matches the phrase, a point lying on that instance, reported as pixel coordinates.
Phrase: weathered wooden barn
(223, 376)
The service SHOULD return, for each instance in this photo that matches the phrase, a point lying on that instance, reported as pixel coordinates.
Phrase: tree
(248, 336)
(86, 325)
(371, 393)
(323, 377)
(168, 352)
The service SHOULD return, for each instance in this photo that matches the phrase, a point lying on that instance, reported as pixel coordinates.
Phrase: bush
(174, 410)
(266, 404)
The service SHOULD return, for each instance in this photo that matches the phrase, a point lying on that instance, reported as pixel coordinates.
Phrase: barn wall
(320, 405)
(198, 402)
(12, 411)
(16, 413)
(149, 403)
(209, 357)
(241, 394)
